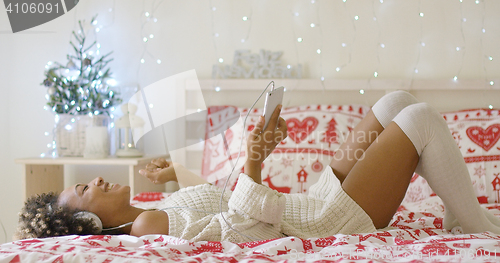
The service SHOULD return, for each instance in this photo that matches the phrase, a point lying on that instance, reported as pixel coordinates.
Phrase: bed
(316, 127)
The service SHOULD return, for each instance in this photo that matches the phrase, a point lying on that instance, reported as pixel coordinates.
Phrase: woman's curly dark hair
(41, 217)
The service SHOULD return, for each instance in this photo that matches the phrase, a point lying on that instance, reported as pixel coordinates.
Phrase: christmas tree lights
(81, 85)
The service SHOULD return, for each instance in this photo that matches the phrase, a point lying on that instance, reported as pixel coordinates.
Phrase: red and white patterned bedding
(415, 235)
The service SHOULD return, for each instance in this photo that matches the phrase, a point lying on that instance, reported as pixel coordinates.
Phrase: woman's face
(101, 198)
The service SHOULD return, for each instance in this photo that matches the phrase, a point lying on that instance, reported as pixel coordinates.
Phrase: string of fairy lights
(462, 34)
(148, 16)
(295, 39)
(147, 35)
(379, 45)
(421, 44)
(298, 38)
(460, 48)
(486, 58)
(215, 36)
(350, 46)
(246, 21)
(320, 44)
(150, 24)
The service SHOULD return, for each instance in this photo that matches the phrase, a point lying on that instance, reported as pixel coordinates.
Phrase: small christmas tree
(330, 135)
(80, 86)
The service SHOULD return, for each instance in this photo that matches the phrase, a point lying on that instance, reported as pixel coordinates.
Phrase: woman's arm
(261, 143)
(187, 178)
(160, 171)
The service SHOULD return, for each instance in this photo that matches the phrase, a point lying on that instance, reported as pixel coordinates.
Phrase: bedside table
(43, 175)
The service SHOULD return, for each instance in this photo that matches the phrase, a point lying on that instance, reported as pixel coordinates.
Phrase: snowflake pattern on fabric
(479, 171)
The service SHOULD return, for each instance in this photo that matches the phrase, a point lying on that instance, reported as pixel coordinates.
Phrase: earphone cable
(236, 162)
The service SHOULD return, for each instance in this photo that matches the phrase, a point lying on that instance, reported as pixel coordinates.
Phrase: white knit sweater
(260, 212)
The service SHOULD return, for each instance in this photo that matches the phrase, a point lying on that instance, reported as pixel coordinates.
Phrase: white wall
(8, 179)
(184, 40)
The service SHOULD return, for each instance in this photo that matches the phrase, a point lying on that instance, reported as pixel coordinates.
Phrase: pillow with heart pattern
(314, 133)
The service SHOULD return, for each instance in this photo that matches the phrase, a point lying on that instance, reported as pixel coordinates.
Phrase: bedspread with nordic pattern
(415, 234)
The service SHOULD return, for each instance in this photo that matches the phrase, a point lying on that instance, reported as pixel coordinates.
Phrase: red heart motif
(299, 130)
(484, 138)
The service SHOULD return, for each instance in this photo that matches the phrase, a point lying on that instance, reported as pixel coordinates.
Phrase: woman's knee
(424, 112)
(400, 96)
(391, 104)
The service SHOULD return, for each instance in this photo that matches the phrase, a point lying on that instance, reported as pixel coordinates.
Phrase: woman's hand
(261, 142)
(159, 171)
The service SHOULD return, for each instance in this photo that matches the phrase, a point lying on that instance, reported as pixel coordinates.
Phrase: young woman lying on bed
(355, 194)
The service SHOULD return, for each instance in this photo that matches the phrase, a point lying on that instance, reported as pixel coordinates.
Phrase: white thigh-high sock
(443, 166)
(390, 105)
(450, 221)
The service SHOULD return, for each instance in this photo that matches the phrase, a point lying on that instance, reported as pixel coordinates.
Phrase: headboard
(444, 95)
